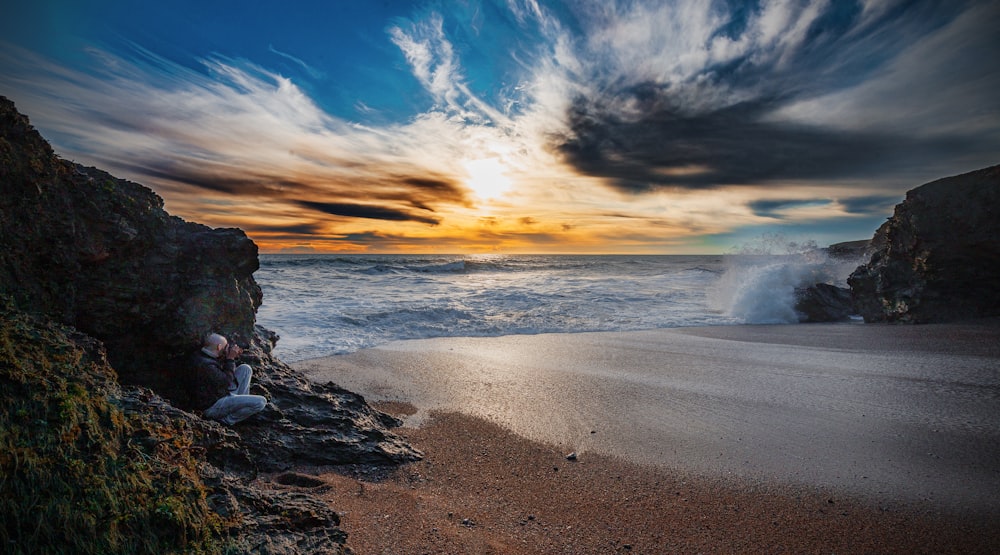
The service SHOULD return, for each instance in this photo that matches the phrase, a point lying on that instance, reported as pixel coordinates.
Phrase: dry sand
(793, 439)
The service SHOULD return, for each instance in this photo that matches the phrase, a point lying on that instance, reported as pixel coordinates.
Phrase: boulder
(102, 255)
(937, 258)
(90, 466)
(307, 423)
(84, 249)
(823, 302)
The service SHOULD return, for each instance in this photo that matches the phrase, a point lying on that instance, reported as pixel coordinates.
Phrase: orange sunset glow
(523, 126)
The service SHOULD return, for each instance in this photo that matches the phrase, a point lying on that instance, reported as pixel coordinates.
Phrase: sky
(515, 126)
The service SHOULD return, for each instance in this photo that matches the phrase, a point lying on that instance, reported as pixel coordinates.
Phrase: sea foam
(760, 279)
(324, 305)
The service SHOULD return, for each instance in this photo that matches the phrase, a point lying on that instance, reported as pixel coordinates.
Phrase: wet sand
(895, 430)
(483, 490)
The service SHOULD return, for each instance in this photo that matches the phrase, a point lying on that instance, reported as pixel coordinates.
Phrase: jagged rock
(269, 522)
(284, 522)
(823, 302)
(92, 467)
(850, 250)
(98, 253)
(315, 424)
(300, 480)
(938, 257)
(221, 446)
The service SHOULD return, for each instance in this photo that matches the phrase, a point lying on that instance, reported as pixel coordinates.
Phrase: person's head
(215, 345)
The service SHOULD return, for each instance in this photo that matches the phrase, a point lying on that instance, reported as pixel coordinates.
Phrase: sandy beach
(823, 438)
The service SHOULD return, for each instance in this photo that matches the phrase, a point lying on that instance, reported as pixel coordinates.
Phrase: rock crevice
(85, 249)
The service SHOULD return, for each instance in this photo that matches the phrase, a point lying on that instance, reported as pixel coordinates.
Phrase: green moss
(79, 475)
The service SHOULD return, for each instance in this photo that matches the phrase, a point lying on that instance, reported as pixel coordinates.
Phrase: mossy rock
(79, 474)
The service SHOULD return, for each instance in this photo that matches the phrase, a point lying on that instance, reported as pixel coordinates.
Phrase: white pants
(238, 405)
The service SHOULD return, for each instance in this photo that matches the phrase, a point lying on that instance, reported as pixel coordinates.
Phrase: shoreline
(969, 333)
(899, 413)
(484, 490)
(674, 436)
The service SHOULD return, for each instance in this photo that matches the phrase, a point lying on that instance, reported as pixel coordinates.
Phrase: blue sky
(671, 126)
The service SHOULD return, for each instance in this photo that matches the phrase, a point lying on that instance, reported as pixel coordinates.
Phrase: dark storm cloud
(218, 178)
(292, 229)
(349, 210)
(733, 145)
(875, 204)
(419, 192)
(379, 241)
(442, 186)
(729, 122)
(774, 208)
(235, 183)
(422, 192)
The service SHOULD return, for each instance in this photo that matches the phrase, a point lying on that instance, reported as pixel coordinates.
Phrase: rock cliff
(938, 257)
(83, 249)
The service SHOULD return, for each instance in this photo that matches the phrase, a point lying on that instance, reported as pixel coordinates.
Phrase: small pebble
(571, 456)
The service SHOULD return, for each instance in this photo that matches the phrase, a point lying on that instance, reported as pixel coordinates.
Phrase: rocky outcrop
(100, 254)
(823, 302)
(850, 250)
(260, 521)
(938, 257)
(306, 423)
(89, 466)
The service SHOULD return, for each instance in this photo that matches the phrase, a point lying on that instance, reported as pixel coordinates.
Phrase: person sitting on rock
(222, 388)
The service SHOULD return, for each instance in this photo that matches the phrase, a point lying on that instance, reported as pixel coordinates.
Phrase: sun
(487, 178)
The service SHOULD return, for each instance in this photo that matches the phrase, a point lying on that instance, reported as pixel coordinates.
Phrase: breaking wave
(760, 279)
(322, 305)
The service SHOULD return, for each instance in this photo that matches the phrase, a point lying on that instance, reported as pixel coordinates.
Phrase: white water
(325, 304)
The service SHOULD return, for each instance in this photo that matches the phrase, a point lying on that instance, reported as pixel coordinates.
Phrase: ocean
(323, 305)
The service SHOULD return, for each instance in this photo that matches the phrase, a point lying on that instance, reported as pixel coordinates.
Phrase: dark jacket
(212, 379)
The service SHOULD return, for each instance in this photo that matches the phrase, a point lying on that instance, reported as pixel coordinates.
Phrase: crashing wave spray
(759, 283)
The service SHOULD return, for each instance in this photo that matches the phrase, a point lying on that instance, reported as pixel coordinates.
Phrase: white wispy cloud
(658, 86)
(634, 107)
(313, 72)
(781, 26)
(430, 54)
(939, 85)
(436, 66)
(664, 43)
(233, 119)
